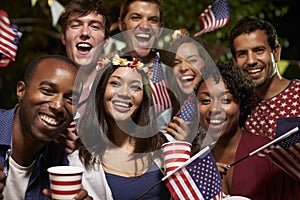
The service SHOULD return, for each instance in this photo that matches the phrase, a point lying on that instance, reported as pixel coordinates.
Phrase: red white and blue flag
(197, 179)
(188, 111)
(9, 39)
(215, 16)
(161, 98)
(286, 153)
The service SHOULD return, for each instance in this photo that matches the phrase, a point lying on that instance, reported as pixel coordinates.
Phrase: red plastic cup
(175, 154)
(65, 181)
(72, 125)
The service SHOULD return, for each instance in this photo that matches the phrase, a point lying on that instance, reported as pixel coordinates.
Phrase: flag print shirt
(264, 115)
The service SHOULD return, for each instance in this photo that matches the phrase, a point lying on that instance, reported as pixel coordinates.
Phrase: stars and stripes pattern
(9, 39)
(188, 111)
(161, 98)
(215, 16)
(198, 179)
(264, 115)
(286, 153)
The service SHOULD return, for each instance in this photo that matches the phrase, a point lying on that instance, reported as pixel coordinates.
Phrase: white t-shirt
(17, 180)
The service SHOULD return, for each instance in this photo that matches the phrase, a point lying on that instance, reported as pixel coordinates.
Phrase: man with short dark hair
(46, 99)
(85, 28)
(256, 50)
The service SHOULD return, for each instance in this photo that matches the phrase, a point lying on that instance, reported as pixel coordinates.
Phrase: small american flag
(9, 39)
(286, 153)
(188, 110)
(214, 16)
(197, 179)
(161, 98)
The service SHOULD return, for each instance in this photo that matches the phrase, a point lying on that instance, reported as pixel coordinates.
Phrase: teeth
(118, 103)
(84, 45)
(216, 121)
(142, 35)
(185, 78)
(253, 71)
(49, 120)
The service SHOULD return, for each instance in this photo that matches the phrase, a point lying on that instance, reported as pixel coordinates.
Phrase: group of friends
(118, 140)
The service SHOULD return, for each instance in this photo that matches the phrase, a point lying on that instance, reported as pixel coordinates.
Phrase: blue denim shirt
(50, 155)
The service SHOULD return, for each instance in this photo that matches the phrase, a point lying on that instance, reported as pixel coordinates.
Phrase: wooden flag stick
(287, 134)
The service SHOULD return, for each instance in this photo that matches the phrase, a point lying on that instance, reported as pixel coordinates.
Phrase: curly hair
(238, 83)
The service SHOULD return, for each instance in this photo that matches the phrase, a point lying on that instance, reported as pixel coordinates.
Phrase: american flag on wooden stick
(188, 111)
(215, 16)
(197, 179)
(286, 153)
(161, 98)
(9, 38)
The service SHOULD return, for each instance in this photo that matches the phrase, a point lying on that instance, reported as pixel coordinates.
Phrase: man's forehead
(92, 16)
(148, 6)
(51, 66)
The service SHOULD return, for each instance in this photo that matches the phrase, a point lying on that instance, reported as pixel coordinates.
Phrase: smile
(253, 71)
(121, 104)
(49, 120)
(84, 46)
(143, 37)
(216, 121)
(187, 78)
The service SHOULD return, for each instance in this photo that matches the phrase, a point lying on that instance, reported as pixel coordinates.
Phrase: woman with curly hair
(224, 102)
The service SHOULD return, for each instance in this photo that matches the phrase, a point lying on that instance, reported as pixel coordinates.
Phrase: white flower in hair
(123, 62)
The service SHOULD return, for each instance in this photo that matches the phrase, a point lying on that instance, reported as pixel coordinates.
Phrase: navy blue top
(50, 155)
(128, 188)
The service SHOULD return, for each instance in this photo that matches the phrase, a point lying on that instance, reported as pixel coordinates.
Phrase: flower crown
(123, 62)
(117, 61)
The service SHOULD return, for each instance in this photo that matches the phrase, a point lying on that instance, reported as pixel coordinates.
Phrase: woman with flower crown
(120, 139)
